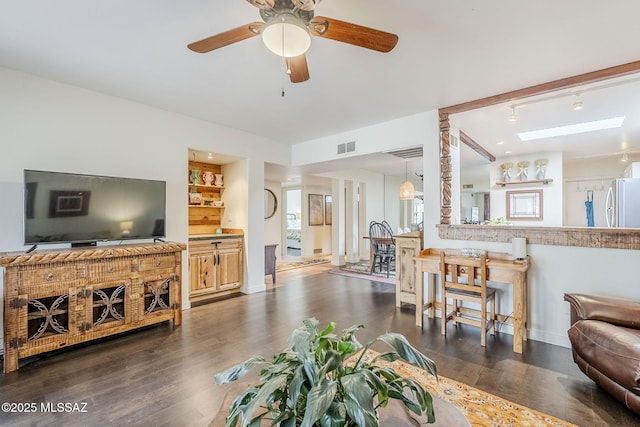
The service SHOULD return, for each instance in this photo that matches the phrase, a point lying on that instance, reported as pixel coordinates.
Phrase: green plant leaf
(319, 400)
(358, 399)
(347, 348)
(330, 327)
(390, 356)
(332, 361)
(408, 353)
(238, 371)
(378, 386)
(335, 416)
(264, 391)
(295, 384)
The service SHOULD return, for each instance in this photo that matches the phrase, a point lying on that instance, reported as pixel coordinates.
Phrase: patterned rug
(480, 408)
(284, 265)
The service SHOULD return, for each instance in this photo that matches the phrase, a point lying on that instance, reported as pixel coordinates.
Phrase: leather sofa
(605, 342)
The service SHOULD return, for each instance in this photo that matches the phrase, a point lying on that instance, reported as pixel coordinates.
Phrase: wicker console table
(57, 298)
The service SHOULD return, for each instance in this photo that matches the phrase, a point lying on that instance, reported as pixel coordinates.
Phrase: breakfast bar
(501, 267)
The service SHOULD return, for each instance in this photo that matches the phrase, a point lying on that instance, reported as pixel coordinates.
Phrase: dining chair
(464, 279)
(383, 247)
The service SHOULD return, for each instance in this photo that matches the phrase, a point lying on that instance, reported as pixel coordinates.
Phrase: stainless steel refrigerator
(623, 203)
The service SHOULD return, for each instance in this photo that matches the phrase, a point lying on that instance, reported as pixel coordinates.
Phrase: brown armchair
(605, 341)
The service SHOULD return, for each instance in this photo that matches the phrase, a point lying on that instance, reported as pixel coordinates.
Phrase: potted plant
(321, 379)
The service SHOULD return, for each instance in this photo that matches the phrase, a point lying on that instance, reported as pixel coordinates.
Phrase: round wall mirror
(270, 203)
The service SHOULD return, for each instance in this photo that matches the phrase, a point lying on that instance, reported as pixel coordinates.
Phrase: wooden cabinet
(408, 246)
(53, 299)
(205, 210)
(215, 266)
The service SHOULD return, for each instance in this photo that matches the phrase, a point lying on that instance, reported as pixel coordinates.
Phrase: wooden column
(445, 170)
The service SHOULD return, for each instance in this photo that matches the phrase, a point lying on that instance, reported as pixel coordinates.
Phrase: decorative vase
(195, 176)
(218, 182)
(207, 177)
(540, 174)
(195, 198)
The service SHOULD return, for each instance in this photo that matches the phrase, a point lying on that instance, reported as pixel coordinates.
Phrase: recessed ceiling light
(499, 142)
(507, 152)
(615, 122)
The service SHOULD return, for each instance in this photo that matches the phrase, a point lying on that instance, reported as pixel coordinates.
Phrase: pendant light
(407, 192)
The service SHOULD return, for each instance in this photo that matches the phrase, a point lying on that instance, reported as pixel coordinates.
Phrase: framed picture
(68, 203)
(327, 209)
(525, 205)
(315, 209)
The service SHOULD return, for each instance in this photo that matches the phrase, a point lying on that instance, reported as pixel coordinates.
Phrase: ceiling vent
(347, 147)
(407, 153)
(467, 186)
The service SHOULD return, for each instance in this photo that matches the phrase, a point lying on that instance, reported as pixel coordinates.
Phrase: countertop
(195, 237)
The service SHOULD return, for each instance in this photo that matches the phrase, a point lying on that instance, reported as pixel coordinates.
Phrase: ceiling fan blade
(298, 67)
(262, 4)
(227, 38)
(356, 35)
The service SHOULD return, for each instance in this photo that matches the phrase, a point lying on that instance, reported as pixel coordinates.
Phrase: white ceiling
(448, 53)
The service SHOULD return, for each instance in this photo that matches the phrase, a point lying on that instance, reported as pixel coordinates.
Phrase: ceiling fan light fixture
(286, 36)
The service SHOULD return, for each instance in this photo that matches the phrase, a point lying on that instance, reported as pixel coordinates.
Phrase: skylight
(616, 122)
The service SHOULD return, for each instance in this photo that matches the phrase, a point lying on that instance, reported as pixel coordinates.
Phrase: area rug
(376, 277)
(361, 270)
(284, 265)
(480, 408)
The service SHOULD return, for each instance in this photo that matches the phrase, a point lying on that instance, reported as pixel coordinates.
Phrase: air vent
(347, 147)
(317, 251)
(467, 186)
(407, 153)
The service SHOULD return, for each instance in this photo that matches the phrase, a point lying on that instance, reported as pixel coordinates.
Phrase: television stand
(58, 298)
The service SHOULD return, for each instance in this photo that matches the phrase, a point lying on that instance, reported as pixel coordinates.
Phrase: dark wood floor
(163, 376)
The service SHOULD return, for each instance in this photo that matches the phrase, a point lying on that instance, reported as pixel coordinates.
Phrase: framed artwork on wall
(525, 205)
(315, 209)
(327, 209)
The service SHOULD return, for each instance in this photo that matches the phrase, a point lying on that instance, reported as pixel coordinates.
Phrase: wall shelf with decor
(205, 187)
(528, 182)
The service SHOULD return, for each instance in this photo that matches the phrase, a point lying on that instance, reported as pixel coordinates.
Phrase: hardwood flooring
(163, 376)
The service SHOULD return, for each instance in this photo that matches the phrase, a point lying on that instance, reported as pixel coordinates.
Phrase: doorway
(293, 231)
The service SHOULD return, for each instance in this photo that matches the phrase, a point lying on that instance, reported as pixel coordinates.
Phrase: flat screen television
(84, 209)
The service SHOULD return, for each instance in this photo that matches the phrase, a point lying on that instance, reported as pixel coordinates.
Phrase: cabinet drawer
(199, 246)
(46, 274)
(101, 270)
(162, 261)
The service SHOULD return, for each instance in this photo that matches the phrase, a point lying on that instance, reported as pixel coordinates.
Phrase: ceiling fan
(287, 29)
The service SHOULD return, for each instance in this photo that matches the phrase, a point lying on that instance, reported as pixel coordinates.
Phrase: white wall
(551, 193)
(52, 126)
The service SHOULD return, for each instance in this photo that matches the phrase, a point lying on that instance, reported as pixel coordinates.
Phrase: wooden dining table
(501, 267)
